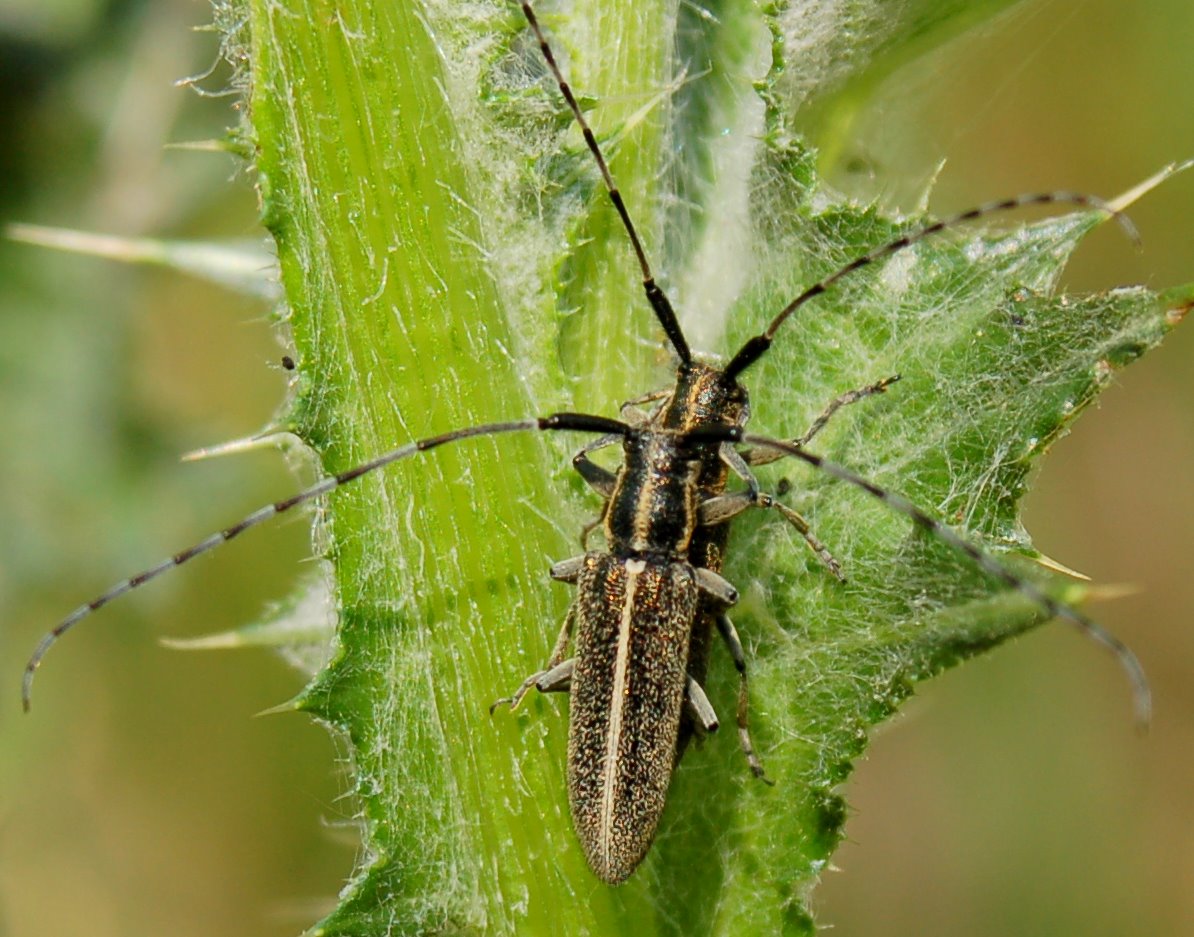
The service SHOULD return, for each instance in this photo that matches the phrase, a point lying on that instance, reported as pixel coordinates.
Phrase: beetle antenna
(755, 347)
(658, 299)
(1141, 694)
(581, 422)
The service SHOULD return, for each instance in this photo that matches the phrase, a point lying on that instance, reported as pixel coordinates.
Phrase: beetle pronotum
(647, 605)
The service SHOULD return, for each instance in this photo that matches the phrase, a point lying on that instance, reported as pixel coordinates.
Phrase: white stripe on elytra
(634, 569)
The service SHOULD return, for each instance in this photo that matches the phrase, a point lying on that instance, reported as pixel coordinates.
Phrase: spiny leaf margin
(434, 205)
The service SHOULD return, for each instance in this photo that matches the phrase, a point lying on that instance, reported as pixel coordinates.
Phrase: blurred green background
(1011, 797)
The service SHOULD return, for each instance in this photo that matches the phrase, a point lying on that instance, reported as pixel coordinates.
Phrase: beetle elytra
(647, 605)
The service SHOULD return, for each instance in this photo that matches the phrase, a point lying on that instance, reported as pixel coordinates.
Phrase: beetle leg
(556, 680)
(715, 586)
(762, 457)
(738, 465)
(550, 680)
(722, 508)
(592, 525)
(599, 479)
(567, 570)
(556, 675)
(719, 509)
(700, 710)
(730, 636)
(635, 417)
(810, 538)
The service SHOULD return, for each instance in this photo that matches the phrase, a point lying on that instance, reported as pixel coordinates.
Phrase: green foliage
(449, 258)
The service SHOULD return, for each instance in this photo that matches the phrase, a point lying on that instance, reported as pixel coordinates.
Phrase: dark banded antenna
(578, 422)
(1141, 694)
(658, 299)
(755, 347)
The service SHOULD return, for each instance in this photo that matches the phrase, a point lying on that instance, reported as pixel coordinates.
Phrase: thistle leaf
(449, 258)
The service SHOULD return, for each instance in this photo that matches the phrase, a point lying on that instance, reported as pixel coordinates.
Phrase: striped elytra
(633, 651)
(628, 689)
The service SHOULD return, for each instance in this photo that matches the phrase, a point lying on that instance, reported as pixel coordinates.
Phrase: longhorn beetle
(647, 605)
